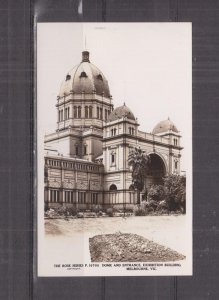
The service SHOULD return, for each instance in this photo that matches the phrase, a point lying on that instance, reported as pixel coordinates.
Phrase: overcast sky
(148, 66)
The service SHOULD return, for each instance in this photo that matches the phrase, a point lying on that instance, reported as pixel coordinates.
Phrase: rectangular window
(82, 197)
(54, 195)
(69, 197)
(113, 158)
(94, 198)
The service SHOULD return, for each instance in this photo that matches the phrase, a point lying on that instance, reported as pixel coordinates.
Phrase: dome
(120, 112)
(86, 78)
(164, 126)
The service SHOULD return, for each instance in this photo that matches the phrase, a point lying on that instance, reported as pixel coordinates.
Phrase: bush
(151, 204)
(129, 210)
(96, 209)
(162, 205)
(109, 211)
(100, 213)
(140, 210)
(61, 211)
(72, 211)
(156, 192)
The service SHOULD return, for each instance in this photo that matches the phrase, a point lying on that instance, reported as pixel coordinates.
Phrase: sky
(148, 66)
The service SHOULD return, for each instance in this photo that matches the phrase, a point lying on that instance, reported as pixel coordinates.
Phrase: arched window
(176, 165)
(76, 150)
(83, 74)
(114, 131)
(113, 187)
(99, 76)
(113, 158)
(79, 111)
(68, 77)
(98, 112)
(68, 112)
(90, 111)
(85, 149)
(75, 112)
(65, 113)
(62, 115)
(86, 111)
(130, 130)
(101, 113)
(105, 114)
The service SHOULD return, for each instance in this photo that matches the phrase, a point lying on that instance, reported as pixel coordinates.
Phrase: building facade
(86, 157)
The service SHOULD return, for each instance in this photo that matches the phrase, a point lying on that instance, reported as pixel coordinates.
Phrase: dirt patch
(52, 228)
(126, 247)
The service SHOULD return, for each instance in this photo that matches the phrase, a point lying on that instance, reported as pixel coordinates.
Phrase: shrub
(96, 209)
(99, 213)
(156, 192)
(62, 211)
(140, 210)
(72, 211)
(162, 205)
(151, 204)
(109, 211)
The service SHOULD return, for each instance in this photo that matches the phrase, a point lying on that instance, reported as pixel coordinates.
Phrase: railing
(60, 133)
(73, 164)
(153, 137)
(79, 97)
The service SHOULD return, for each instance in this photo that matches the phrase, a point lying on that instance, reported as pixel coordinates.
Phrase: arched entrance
(157, 170)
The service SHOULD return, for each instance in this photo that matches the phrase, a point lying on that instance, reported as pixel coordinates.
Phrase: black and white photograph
(114, 149)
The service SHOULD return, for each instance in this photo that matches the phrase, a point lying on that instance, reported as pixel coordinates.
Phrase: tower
(167, 129)
(83, 106)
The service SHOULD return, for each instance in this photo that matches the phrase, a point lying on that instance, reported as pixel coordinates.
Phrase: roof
(164, 126)
(121, 112)
(85, 78)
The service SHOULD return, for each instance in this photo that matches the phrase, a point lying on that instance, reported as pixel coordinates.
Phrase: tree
(139, 161)
(175, 192)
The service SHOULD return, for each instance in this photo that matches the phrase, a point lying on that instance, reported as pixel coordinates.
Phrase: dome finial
(85, 56)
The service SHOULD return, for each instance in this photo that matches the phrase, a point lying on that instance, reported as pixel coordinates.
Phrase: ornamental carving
(95, 185)
(82, 185)
(69, 184)
(55, 183)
